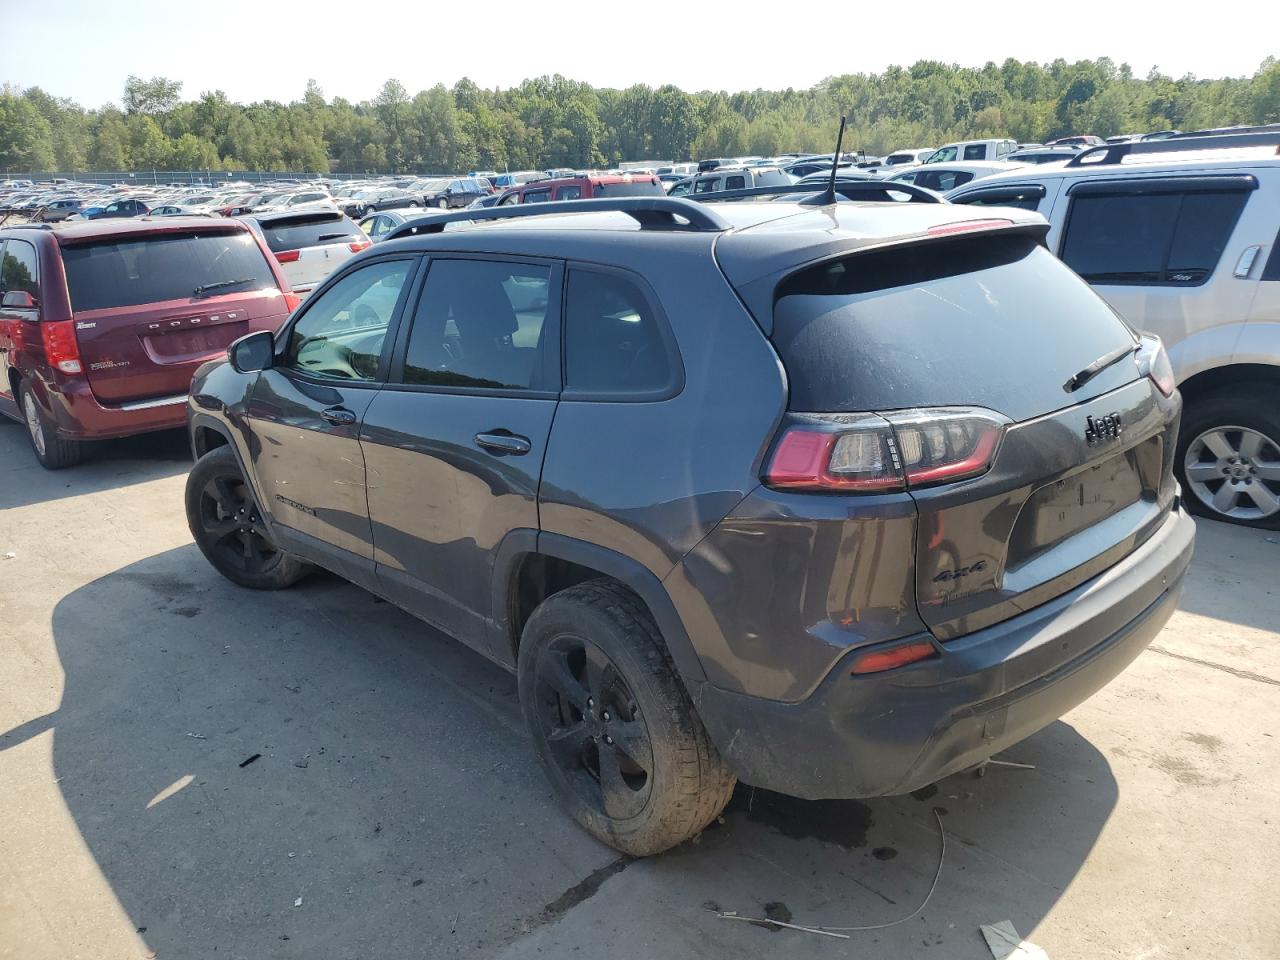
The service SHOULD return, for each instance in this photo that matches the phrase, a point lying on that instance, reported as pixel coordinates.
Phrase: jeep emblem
(1100, 429)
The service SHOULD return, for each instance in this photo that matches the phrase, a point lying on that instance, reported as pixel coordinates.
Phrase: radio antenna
(830, 195)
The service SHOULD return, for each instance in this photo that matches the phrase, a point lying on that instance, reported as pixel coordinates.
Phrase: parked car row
(454, 416)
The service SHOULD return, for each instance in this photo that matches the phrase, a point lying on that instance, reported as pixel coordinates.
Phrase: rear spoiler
(757, 293)
(866, 190)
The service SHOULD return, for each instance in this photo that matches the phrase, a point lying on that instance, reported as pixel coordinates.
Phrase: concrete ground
(395, 810)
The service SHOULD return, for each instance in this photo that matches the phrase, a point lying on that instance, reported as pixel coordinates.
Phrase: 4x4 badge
(1099, 429)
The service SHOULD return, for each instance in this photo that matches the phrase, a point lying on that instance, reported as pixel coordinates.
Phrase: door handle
(503, 442)
(338, 416)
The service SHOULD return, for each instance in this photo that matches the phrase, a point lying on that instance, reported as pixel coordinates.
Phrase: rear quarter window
(126, 273)
(1159, 238)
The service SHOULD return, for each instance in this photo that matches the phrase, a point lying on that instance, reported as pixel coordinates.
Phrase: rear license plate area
(1068, 505)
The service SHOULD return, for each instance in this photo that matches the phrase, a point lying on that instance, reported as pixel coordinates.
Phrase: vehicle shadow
(111, 464)
(315, 773)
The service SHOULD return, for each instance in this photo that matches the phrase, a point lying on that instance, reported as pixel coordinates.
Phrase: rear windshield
(128, 273)
(996, 322)
(298, 232)
(641, 189)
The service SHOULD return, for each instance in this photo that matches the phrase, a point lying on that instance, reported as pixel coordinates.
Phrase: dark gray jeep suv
(834, 499)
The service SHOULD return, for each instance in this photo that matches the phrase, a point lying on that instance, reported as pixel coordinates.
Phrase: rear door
(151, 308)
(1078, 477)
(305, 412)
(454, 444)
(310, 246)
(19, 273)
(1153, 247)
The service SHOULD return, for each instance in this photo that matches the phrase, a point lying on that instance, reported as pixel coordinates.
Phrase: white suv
(1180, 237)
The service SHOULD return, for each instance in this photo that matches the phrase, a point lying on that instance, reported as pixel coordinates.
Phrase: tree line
(552, 121)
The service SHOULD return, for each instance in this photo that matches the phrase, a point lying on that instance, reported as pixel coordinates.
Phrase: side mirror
(253, 352)
(19, 300)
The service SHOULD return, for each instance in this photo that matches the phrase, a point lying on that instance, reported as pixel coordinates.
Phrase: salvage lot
(395, 794)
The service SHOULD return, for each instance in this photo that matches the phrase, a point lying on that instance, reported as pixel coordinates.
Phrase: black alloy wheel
(593, 726)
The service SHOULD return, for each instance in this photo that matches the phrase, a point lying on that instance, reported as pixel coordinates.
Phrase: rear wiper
(1095, 368)
(201, 290)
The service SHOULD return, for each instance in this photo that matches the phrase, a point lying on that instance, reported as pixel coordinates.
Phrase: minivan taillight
(291, 301)
(359, 245)
(865, 453)
(60, 345)
(287, 256)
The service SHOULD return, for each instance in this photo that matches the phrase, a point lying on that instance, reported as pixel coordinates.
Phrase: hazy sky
(85, 50)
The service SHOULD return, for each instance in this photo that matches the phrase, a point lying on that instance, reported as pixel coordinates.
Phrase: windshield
(943, 155)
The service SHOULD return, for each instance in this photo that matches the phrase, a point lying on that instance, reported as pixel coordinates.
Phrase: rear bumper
(890, 733)
(79, 415)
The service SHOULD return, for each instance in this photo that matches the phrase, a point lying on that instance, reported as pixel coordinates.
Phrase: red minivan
(103, 323)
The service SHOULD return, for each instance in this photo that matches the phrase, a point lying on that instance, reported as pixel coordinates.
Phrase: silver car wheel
(34, 425)
(1235, 471)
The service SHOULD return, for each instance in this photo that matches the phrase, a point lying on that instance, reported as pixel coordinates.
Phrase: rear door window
(1151, 238)
(613, 338)
(127, 273)
(479, 324)
(536, 196)
(309, 230)
(738, 182)
(975, 151)
(18, 270)
(569, 193)
(995, 322)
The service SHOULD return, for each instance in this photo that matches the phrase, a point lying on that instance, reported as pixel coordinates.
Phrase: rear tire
(53, 452)
(1228, 456)
(443, 203)
(227, 526)
(613, 726)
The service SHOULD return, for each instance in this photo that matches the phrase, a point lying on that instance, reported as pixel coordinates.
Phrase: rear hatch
(311, 245)
(150, 308)
(1079, 467)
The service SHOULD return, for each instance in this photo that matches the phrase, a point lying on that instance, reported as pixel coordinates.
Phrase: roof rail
(1113, 153)
(849, 189)
(646, 211)
(1225, 131)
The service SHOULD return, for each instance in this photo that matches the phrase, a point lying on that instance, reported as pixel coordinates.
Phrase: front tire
(52, 451)
(227, 526)
(613, 726)
(1228, 456)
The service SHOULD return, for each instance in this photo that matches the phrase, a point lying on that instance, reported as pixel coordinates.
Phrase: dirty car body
(885, 526)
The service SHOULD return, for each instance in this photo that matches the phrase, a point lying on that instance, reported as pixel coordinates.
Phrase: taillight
(288, 256)
(894, 451)
(291, 301)
(875, 661)
(360, 245)
(60, 345)
(1153, 362)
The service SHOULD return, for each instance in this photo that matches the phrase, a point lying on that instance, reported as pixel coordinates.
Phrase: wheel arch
(1228, 375)
(531, 566)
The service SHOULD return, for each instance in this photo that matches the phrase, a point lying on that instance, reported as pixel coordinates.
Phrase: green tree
(157, 95)
(26, 142)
